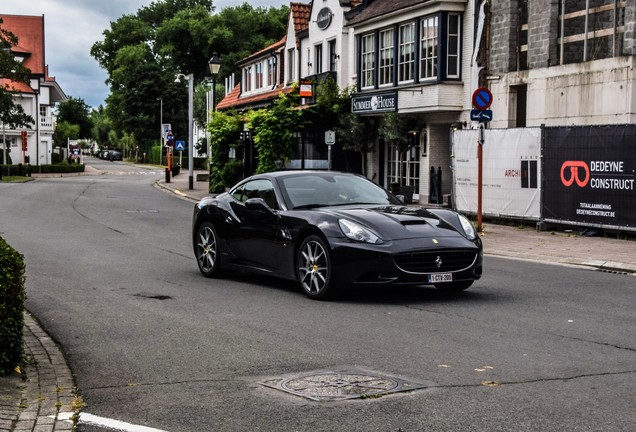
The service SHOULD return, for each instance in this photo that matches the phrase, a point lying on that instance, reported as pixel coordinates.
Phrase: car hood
(401, 222)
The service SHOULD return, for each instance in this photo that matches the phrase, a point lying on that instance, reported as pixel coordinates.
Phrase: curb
(45, 390)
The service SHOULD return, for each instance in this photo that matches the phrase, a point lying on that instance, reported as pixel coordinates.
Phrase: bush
(56, 158)
(62, 168)
(232, 172)
(12, 298)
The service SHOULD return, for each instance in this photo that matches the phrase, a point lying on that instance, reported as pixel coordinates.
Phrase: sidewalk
(42, 401)
(34, 400)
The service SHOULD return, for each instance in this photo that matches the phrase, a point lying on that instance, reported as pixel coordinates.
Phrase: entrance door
(403, 167)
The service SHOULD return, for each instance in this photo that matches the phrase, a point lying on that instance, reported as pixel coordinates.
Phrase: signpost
(482, 99)
(330, 140)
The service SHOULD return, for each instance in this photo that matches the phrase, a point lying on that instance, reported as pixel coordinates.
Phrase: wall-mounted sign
(377, 103)
(323, 20)
(306, 89)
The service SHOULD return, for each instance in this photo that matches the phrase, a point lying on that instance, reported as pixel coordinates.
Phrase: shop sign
(377, 103)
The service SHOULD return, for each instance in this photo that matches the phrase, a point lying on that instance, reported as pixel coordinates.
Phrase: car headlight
(468, 228)
(357, 232)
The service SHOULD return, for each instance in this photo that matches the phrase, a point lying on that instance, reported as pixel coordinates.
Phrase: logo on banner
(575, 169)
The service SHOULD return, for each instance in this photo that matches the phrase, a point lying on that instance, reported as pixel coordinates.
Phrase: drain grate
(342, 385)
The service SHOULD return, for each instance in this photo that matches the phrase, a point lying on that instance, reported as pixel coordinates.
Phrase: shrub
(12, 298)
(56, 158)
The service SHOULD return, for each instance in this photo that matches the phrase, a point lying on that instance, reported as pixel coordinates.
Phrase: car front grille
(439, 261)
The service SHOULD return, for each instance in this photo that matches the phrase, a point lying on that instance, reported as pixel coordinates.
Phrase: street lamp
(215, 65)
(190, 79)
(160, 129)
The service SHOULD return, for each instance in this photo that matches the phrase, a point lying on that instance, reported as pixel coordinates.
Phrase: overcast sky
(73, 26)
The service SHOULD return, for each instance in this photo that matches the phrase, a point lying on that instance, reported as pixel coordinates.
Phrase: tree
(142, 53)
(101, 126)
(65, 131)
(76, 111)
(272, 131)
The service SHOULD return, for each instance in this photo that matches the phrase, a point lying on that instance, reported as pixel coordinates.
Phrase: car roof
(292, 173)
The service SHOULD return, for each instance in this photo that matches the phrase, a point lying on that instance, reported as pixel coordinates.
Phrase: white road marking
(90, 419)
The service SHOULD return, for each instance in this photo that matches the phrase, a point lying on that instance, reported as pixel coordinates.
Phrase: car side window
(238, 193)
(260, 188)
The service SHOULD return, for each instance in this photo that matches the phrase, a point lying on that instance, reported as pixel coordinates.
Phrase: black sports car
(331, 230)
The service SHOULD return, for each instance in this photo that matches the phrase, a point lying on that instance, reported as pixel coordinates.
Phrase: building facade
(38, 98)
(546, 62)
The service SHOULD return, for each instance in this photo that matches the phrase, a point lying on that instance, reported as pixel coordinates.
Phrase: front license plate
(440, 277)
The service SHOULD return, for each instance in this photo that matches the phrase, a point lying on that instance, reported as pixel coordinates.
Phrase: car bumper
(359, 264)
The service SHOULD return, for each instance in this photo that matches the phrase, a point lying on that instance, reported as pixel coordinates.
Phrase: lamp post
(190, 78)
(215, 65)
(160, 129)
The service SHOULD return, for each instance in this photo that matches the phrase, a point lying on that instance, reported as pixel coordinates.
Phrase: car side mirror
(258, 205)
(401, 199)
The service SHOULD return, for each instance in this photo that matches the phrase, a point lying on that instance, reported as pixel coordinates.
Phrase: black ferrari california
(331, 230)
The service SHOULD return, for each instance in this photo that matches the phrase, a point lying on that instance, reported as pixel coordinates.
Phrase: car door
(257, 241)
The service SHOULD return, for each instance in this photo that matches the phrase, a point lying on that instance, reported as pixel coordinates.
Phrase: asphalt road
(111, 276)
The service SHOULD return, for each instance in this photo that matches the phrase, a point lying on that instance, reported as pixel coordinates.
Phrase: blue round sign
(482, 98)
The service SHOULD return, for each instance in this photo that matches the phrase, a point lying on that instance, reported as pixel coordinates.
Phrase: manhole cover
(342, 384)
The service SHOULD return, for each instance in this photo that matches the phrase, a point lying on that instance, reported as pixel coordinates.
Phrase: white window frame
(429, 61)
(291, 65)
(406, 53)
(453, 40)
(367, 68)
(387, 57)
(247, 79)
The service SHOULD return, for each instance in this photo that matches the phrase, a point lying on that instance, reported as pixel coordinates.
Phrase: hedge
(12, 298)
(62, 167)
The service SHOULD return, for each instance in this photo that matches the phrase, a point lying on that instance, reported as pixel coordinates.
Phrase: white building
(38, 98)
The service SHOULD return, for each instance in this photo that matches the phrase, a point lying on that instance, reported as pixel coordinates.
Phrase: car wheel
(454, 286)
(206, 250)
(314, 268)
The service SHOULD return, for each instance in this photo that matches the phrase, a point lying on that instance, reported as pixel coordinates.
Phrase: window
(318, 59)
(258, 72)
(452, 46)
(428, 48)
(42, 111)
(386, 57)
(247, 79)
(407, 52)
(271, 72)
(256, 189)
(368, 61)
(333, 55)
(291, 65)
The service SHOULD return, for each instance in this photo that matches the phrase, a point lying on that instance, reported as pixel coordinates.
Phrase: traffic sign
(179, 145)
(482, 98)
(481, 115)
(330, 138)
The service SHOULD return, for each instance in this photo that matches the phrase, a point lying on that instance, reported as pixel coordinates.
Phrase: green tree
(101, 126)
(142, 53)
(224, 131)
(76, 111)
(272, 131)
(65, 131)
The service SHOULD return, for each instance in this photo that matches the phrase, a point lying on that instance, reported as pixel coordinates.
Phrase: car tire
(454, 286)
(313, 268)
(206, 250)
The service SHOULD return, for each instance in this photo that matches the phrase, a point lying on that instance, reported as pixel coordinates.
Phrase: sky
(72, 26)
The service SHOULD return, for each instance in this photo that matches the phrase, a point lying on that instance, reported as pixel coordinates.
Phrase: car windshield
(327, 189)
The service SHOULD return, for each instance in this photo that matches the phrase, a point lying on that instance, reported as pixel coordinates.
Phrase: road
(111, 276)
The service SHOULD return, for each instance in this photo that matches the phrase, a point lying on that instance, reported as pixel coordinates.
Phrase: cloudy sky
(73, 26)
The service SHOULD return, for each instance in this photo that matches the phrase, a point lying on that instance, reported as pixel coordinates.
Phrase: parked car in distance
(114, 155)
(332, 230)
